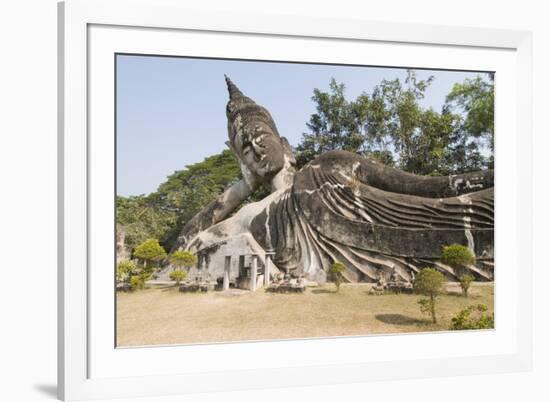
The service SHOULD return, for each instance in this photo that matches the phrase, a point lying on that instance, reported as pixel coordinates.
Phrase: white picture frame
(89, 365)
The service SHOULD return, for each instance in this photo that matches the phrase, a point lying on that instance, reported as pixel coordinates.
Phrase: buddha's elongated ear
(288, 151)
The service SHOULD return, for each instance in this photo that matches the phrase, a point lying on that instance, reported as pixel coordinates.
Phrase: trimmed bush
(457, 256)
(150, 251)
(183, 259)
(178, 275)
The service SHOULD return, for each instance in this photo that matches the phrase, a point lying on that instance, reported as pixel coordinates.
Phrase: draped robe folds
(375, 219)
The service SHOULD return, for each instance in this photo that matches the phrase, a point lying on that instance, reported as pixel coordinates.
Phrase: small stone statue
(394, 277)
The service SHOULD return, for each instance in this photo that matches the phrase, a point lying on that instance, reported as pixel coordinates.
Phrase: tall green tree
(399, 124)
(475, 99)
(143, 217)
(391, 125)
(161, 214)
(187, 191)
(336, 124)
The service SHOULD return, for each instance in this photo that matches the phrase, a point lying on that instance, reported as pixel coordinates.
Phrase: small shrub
(336, 273)
(473, 317)
(124, 270)
(178, 275)
(465, 282)
(145, 275)
(429, 282)
(137, 282)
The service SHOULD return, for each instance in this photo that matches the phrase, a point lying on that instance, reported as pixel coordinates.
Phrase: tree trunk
(432, 306)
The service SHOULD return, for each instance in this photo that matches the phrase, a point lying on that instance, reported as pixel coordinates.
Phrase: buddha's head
(254, 138)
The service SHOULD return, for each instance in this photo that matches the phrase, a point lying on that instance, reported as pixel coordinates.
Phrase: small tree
(429, 282)
(124, 270)
(183, 259)
(178, 275)
(473, 317)
(150, 251)
(465, 282)
(336, 272)
(458, 257)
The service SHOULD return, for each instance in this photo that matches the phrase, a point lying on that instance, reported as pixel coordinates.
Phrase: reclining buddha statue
(341, 206)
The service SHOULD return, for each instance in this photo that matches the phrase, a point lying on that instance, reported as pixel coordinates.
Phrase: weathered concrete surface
(377, 220)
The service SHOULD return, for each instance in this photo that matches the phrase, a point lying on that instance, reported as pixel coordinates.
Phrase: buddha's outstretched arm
(214, 212)
(395, 180)
(390, 179)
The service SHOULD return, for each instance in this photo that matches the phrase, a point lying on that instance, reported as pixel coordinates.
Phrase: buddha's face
(254, 138)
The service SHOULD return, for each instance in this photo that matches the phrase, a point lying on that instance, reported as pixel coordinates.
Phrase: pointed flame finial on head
(234, 92)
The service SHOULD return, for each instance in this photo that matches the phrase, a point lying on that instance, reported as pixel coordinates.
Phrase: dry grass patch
(165, 316)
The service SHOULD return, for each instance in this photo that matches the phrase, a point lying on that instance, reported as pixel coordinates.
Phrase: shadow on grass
(399, 319)
(168, 288)
(456, 293)
(460, 295)
(323, 291)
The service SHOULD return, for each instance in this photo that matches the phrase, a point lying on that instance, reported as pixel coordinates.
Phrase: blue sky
(171, 110)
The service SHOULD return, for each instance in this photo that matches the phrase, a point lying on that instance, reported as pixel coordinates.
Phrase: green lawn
(158, 316)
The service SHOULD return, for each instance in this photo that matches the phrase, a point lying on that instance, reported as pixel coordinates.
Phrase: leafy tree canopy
(143, 217)
(476, 97)
(390, 125)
